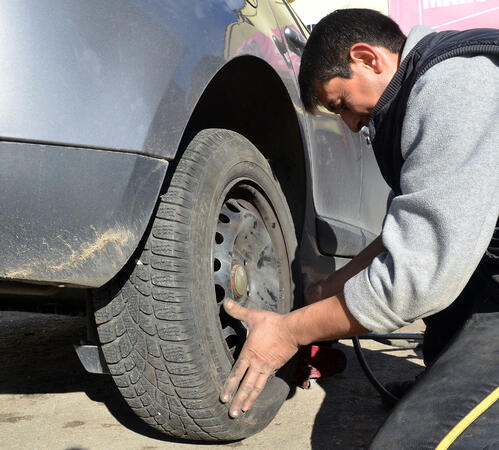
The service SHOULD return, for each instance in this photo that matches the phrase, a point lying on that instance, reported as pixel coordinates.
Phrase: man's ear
(367, 56)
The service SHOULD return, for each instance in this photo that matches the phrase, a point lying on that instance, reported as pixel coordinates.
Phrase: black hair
(327, 53)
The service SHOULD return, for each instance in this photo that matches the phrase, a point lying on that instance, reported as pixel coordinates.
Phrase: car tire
(222, 229)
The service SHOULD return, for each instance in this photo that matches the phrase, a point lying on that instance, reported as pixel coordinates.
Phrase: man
(432, 105)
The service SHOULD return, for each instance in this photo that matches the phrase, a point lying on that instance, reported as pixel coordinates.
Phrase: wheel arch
(249, 97)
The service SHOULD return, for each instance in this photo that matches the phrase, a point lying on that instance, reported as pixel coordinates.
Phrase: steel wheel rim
(248, 244)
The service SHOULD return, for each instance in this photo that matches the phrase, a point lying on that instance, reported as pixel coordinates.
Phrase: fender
(122, 75)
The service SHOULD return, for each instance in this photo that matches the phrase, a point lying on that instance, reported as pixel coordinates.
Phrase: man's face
(352, 98)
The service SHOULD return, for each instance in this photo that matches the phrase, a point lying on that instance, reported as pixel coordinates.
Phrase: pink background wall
(444, 15)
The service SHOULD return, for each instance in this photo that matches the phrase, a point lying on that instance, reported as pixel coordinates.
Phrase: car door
(374, 191)
(335, 158)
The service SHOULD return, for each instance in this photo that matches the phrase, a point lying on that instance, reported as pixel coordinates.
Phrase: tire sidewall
(235, 159)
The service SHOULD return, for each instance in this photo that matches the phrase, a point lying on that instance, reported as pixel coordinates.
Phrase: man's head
(349, 59)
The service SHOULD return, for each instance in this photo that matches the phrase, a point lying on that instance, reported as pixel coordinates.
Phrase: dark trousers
(454, 403)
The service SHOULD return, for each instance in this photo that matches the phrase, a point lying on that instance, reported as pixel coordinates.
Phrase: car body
(97, 97)
(100, 101)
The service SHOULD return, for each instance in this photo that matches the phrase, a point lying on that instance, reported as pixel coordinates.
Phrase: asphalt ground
(48, 401)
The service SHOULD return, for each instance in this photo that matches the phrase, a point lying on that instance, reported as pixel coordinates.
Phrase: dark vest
(388, 115)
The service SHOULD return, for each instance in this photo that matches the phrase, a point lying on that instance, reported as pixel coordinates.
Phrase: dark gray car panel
(118, 74)
(109, 75)
(86, 73)
(72, 215)
(126, 76)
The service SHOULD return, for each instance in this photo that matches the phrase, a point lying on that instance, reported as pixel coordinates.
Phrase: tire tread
(146, 329)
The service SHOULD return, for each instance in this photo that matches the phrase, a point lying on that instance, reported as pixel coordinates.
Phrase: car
(156, 159)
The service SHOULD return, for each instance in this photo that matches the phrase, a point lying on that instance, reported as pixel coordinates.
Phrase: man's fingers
(235, 310)
(245, 390)
(260, 383)
(235, 377)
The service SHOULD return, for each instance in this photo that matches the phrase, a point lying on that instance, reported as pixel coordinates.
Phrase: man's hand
(269, 345)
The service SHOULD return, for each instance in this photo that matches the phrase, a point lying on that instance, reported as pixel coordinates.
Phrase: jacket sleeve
(437, 231)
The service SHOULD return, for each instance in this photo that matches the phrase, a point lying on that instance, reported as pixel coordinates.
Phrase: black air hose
(386, 395)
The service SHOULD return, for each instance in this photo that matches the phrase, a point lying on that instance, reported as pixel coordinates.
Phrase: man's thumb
(235, 310)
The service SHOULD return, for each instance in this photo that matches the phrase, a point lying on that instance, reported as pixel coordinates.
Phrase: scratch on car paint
(113, 236)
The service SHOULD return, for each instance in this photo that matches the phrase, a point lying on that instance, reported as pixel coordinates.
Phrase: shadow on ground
(352, 410)
(37, 357)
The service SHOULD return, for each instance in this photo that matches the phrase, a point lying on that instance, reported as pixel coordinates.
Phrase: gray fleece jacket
(437, 231)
